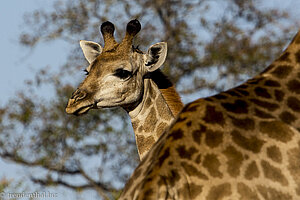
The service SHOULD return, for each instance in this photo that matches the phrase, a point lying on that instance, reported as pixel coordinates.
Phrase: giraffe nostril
(78, 94)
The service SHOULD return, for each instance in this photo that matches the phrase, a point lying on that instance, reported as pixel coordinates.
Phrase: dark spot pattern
(262, 92)
(220, 96)
(234, 161)
(164, 156)
(176, 134)
(213, 138)
(191, 107)
(233, 93)
(174, 177)
(245, 124)
(251, 144)
(273, 152)
(269, 193)
(279, 95)
(243, 92)
(284, 57)
(195, 190)
(262, 114)
(273, 173)
(193, 171)
(287, 117)
(282, 71)
(212, 164)
(246, 192)
(251, 171)
(196, 134)
(272, 83)
(264, 104)
(212, 116)
(294, 165)
(238, 107)
(297, 55)
(294, 104)
(276, 130)
(219, 192)
(294, 86)
(185, 153)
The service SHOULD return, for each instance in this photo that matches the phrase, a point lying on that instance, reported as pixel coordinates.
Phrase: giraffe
(243, 143)
(122, 75)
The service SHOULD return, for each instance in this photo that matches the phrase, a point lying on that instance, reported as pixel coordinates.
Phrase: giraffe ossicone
(121, 75)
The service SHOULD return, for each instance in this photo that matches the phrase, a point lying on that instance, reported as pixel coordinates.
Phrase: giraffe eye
(122, 74)
(86, 72)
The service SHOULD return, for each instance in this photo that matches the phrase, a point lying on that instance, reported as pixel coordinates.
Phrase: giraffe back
(240, 144)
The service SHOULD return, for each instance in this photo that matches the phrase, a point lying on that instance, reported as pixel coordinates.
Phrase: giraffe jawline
(83, 110)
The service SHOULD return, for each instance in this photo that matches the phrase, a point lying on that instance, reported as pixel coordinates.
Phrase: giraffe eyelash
(86, 72)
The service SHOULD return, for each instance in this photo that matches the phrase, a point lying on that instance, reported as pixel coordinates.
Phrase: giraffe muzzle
(78, 95)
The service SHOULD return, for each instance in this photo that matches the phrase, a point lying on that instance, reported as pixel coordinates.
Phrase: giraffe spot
(176, 134)
(144, 143)
(164, 156)
(181, 119)
(262, 92)
(272, 83)
(297, 55)
(243, 86)
(294, 86)
(274, 154)
(213, 138)
(213, 117)
(234, 161)
(162, 109)
(238, 107)
(294, 165)
(276, 130)
(273, 173)
(284, 57)
(151, 120)
(262, 114)
(268, 69)
(251, 144)
(294, 104)
(255, 81)
(243, 92)
(152, 92)
(135, 124)
(198, 159)
(245, 124)
(287, 117)
(160, 129)
(186, 153)
(212, 164)
(298, 75)
(233, 93)
(174, 177)
(251, 171)
(220, 96)
(269, 193)
(264, 104)
(194, 190)
(279, 95)
(148, 103)
(191, 107)
(170, 163)
(219, 192)
(246, 192)
(190, 170)
(148, 193)
(196, 134)
(189, 124)
(282, 71)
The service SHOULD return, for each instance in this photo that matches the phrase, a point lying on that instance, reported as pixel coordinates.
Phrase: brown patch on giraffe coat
(287, 117)
(284, 57)
(185, 153)
(212, 164)
(151, 120)
(176, 134)
(246, 192)
(161, 128)
(212, 116)
(282, 71)
(164, 156)
(191, 107)
(163, 110)
(198, 159)
(297, 55)
(251, 171)
(276, 130)
(135, 124)
(243, 92)
(233, 93)
(272, 83)
(234, 161)
(294, 86)
(219, 192)
(273, 173)
(279, 95)
(294, 165)
(193, 171)
(252, 143)
(194, 189)
(262, 92)
(245, 124)
(238, 107)
(269, 193)
(174, 177)
(148, 103)
(143, 143)
(294, 104)
(274, 154)
(196, 134)
(213, 138)
(262, 114)
(266, 105)
(220, 96)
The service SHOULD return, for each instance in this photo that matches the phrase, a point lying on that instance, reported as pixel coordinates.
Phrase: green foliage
(230, 37)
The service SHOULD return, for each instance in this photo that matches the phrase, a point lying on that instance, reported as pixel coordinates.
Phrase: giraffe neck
(157, 109)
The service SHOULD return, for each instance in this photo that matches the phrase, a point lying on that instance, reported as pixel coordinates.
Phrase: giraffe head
(116, 71)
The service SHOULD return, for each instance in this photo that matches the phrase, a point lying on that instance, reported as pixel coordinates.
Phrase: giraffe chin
(82, 110)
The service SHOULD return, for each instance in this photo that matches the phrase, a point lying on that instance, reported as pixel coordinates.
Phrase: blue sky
(19, 63)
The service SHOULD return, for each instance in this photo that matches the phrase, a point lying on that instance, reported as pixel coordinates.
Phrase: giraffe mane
(168, 91)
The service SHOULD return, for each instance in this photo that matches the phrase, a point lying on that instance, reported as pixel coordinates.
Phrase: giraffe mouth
(83, 110)
(78, 110)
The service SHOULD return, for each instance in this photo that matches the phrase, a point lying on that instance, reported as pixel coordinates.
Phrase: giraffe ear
(156, 56)
(90, 50)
